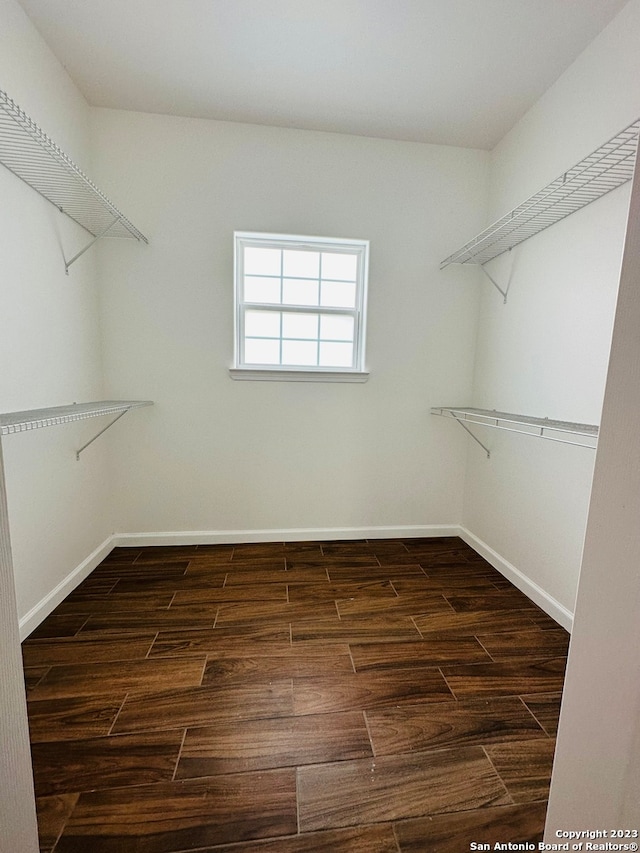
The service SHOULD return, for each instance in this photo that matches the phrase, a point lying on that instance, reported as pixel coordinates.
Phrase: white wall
(49, 352)
(49, 336)
(545, 352)
(596, 781)
(216, 454)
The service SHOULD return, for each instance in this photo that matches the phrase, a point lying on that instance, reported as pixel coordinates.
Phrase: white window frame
(356, 372)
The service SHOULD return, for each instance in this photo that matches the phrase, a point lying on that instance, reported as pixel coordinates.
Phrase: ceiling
(457, 72)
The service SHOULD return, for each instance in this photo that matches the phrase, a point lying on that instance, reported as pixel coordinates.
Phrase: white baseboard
(43, 608)
(40, 611)
(295, 534)
(531, 589)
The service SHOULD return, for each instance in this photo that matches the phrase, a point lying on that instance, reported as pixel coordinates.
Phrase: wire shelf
(12, 422)
(566, 432)
(31, 155)
(607, 168)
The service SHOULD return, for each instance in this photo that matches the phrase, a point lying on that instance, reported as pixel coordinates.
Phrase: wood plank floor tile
(213, 553)
(70, 719)
(214, 562)
(121, 552)
(53, 813)
(453, 833)
(204, 706)
(358, 548)
(524, 767)
(453, 562)
(139, 675)
(86, 648)
(240, 592)
(376, 629)
(439, 556)
(166, 553)
(316, 575)
(437, 544)
(143, 570)
(501, 582)
(362, 839)
(33, 675)
(534, 643)
(340, 572)
(431, 652)
(188, 616)
(362, 562)
(447, 584)
(368, 690)
(293, 664)
(93, 585)
(115, 603)
(220, 640)
(471, 624)
(183, 815)
(254, 612)
(401, 605)
(465, 723)
(397, 559)
(396, 787)
(218, 548)
(467, 568)
(258, 549)
(365, 590)
(251, 573)
(58, 626)
(306, 546)
(105, 762)
(302, 652)
(261, 653)
(511, 599)
(385, 546)
(270, 743)
(546, 710)
(542, 620)
(241, 563)
(506, 679)
(203, 581)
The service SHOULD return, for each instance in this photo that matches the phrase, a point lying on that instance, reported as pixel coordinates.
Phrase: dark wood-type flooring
(335, 697)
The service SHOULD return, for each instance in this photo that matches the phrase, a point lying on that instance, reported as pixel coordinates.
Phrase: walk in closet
(350, 581)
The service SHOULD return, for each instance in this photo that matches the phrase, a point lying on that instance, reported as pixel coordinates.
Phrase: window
(300, 307)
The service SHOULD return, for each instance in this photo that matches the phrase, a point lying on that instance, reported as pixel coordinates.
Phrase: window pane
(336, 328)
(300, 291)
(261, 261)
(261, 351)
(344, 267)
(336, 355)
(299, 264)
(300, 326)
(299, 302)
(336, 294)
(300, 353)
(262, 324)
(261, 289)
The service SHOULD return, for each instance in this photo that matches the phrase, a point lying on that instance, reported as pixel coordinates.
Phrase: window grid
(318, 338)
(336, 357)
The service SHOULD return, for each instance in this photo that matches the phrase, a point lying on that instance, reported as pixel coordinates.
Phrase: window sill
(252, 373)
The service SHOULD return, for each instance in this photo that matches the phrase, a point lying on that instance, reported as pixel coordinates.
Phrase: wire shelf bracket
(605, 169)
(13, 422)
(502, 292)
(79, 254)
(33, 157)
(472, 434)
(565, 432)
